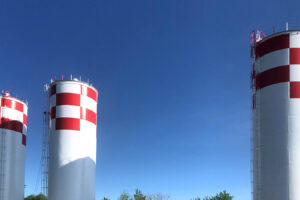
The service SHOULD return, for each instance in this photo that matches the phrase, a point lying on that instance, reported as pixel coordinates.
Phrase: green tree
(105, 198)
(36, 197)
(222, 196)
(139, 195)
(30, 197)
(205, 198)
(124, 196)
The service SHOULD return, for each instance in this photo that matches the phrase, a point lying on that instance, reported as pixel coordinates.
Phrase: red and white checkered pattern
(278, 61)
(276, 117)
(70, 104)
(13, 114)
(73, 141)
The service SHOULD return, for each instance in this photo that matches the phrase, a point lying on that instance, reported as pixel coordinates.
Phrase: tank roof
(76, 81)
(278, 33)
(14, 98)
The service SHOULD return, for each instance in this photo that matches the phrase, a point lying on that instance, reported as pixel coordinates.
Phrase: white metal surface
(13, 128)
(276, 123)
(73, 137)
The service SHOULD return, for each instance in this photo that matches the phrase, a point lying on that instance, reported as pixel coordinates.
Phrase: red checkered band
(279, 61)
(13, 116)
(71, 103)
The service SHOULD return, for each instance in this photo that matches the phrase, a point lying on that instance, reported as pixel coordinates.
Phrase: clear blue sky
(173, 78)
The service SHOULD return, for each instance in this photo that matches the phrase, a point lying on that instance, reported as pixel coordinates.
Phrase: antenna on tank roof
(286, 26)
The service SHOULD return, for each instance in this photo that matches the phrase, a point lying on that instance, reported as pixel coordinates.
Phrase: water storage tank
(13, 128)
(276, 117)
(72, 150)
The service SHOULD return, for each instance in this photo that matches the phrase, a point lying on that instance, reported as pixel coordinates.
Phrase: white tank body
(13, 128)
(276, 118)
(73, 140)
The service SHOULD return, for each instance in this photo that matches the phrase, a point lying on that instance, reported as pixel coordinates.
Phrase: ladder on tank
(45, 145)
(255, 37)
(2, 158)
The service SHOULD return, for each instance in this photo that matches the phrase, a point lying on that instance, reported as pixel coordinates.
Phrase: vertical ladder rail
(45, 148)
(255, 37)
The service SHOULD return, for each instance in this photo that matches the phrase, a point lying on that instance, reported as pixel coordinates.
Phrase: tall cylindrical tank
(276, 117)
(72, 150)
(13, 128)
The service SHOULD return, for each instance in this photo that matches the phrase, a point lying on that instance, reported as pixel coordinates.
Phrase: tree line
(36, 197)
(138, 195)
